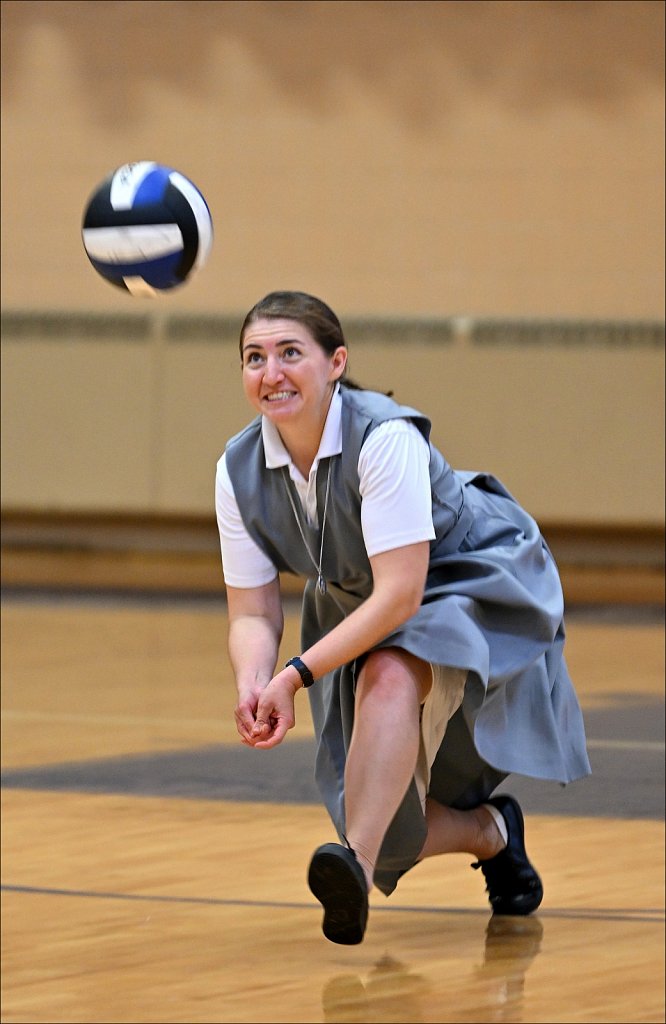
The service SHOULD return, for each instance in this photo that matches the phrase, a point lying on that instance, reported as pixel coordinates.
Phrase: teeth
(279, 395)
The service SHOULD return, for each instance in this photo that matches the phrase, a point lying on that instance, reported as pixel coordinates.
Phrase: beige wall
(99, 417)
(402, 160)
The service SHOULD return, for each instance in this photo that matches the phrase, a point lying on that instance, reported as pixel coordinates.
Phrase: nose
(273, 372)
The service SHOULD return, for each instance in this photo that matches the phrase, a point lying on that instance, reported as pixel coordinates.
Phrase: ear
(338, 362)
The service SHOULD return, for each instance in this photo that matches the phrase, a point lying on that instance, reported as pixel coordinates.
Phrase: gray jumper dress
(492, 606)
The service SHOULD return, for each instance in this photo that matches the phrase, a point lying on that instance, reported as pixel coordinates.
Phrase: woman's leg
(381, 761)
(451, 831)
(384, 754)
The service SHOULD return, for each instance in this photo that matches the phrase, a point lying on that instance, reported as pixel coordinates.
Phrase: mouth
(279, 396)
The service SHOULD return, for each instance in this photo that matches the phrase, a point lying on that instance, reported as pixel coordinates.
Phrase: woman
(431, 635)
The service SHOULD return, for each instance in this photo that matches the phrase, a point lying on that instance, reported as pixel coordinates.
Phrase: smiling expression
(286, 373)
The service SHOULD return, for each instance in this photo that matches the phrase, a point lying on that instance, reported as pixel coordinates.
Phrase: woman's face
(287, 375)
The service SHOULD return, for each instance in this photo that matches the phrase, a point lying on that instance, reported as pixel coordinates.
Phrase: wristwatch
(302, 669)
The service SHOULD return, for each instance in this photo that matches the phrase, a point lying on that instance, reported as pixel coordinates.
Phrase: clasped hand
(264, 716)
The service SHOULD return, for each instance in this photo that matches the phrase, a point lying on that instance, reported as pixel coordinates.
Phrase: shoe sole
(339, 885)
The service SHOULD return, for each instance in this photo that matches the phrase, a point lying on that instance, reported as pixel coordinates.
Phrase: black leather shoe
(512, 884)
(338, 881)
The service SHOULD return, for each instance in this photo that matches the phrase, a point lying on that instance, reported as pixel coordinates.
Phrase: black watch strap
(302, 669)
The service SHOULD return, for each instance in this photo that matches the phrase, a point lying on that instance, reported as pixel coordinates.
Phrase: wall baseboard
(599, 562)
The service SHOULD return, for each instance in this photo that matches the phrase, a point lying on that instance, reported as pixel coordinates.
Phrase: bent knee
(392, 670)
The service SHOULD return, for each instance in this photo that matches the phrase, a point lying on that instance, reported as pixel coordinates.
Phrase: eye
(252, 358)
(291, 351)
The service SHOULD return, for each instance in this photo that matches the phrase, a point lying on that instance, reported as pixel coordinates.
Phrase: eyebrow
(287, 341)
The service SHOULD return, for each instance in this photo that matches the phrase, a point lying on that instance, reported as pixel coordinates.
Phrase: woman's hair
(315, 315)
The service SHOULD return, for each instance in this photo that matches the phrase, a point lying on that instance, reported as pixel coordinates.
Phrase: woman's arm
(399, 579)
(256, 623)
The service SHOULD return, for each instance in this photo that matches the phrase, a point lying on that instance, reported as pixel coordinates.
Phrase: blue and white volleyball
(147, 228)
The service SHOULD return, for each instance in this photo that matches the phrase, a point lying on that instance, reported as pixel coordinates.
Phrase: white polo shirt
(394, 476)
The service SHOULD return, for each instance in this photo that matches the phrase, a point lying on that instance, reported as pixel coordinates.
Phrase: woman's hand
(245, 714)
(263, 717)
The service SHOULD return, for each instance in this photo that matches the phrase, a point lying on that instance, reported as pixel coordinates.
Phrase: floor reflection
(393, 993)
(512, 943)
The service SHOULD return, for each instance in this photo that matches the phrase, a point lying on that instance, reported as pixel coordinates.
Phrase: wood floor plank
(121, 907)
(163, 910)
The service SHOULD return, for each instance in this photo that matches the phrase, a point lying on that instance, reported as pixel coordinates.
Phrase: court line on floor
(644, 914)
(653, 745)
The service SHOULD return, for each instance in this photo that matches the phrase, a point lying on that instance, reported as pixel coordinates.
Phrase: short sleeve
(244, 564)
(394, 473)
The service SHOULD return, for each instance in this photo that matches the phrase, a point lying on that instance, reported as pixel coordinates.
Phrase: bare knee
(391, 673)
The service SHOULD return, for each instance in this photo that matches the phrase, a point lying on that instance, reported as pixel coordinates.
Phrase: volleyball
(147, 228)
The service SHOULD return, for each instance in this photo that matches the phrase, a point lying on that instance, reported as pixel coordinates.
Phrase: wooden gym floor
(154, 870)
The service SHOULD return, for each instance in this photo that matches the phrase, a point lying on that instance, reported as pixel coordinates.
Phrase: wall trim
(601, 564)
(19, 325)
(594, 543)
